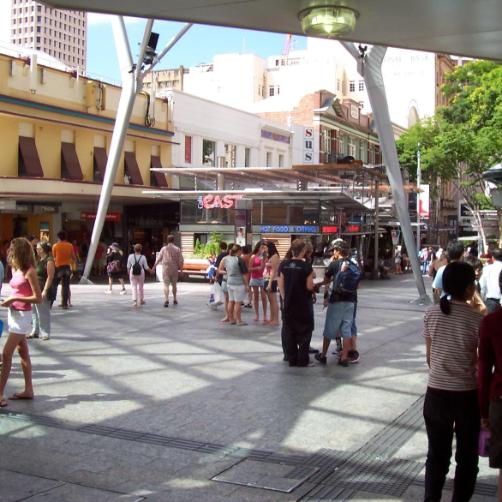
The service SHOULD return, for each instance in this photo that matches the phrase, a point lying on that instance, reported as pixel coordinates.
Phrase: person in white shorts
(237, 283)
(25, 291)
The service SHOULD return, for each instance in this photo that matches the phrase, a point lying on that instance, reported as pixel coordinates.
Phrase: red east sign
(217, 201)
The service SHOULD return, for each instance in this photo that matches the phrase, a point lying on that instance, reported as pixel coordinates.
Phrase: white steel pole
(370, 68)
(419, 180)
(131, 84)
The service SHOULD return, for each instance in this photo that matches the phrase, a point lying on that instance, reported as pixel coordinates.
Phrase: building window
(271, 90)
(208, 152)
(188, 149)
(269, 159)
(278, 89)
(281, 160)
(247, 157)
(352, 86)
(361, 85)
(230, 155)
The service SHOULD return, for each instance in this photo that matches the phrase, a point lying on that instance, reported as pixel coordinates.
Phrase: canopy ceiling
(462, 27)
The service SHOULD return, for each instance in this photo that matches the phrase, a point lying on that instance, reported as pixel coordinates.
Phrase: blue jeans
(445, 413)
(42, 318)
(339, 317)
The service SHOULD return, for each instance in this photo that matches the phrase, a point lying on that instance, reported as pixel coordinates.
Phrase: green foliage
(466, 133)
(212, 247)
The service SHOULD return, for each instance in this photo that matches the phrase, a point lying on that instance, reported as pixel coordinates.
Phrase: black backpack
(136, 268)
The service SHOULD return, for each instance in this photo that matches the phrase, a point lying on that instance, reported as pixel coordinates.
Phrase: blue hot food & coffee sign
(289, 229)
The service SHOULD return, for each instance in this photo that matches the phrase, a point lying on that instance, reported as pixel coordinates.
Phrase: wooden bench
(195, 266)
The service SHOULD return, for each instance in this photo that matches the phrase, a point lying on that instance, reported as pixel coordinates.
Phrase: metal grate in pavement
(276, 477)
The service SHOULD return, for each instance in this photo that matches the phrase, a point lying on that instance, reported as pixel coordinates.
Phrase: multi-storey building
(56, 133)
(59, 33)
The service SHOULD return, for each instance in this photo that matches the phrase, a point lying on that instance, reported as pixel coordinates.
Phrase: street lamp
(327, 21)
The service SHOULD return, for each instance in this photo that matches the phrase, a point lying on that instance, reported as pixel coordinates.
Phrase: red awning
(132, 168)
(29, 161)
(70, 166)
(157, 179)
(100, 160)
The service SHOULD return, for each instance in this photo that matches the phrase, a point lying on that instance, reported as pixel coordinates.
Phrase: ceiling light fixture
(328, 21)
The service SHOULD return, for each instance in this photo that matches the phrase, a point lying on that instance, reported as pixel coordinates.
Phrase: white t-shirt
(133, 258)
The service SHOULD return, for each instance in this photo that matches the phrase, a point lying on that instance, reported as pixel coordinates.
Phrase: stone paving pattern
(204, 396)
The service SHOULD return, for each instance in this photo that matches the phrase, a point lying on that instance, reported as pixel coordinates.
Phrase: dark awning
(157, 179)
(100, 160)
(70, 165)
(132, 168)
(29, 161)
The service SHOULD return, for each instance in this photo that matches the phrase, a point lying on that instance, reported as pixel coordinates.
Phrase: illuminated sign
(289, 229)
(333, 229)
(353, 228)
(217, 201)
(111, 216)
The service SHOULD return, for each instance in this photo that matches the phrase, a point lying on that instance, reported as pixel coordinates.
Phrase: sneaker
(46, 337)
(123, 292)
(319, 357)
(313, 351)
(108, 292)
(353, 356)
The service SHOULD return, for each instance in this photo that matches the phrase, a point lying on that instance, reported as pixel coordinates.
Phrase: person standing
(114, 267)
(63, 255)
(454, 252)
(25, 291)
(340, 300)
(42, 311)
(490, 385)
(296, 286)
(256, 280)
(172, 264)
(237, 283)
(451, 332)
(271, 286)
(489, 282)
(136, 266)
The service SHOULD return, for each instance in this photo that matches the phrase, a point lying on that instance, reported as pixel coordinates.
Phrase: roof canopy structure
(461, 27)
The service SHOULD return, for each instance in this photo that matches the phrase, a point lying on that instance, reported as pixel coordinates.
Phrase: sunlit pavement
(151, 403)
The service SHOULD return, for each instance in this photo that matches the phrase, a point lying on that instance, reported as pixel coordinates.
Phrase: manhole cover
(278, 477)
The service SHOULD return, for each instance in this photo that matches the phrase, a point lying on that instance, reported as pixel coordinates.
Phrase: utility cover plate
(268, 476)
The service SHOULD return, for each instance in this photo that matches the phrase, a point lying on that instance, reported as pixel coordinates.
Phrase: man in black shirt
(296, 284)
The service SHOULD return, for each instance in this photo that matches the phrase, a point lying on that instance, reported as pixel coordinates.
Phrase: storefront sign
(333, 229)
(308, 145)
(353, 228)
(289, 229)
(275, 136)
(423, 201)
(111, 216)
(217, 201)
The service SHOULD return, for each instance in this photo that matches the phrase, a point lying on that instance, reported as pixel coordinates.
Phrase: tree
(464, 138)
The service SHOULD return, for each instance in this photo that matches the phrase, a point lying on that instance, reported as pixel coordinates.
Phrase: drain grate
(276, 477)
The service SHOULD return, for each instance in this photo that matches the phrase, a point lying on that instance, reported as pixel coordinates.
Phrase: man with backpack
(340, 298)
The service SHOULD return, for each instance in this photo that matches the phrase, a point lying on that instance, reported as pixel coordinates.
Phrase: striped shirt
(454, 342)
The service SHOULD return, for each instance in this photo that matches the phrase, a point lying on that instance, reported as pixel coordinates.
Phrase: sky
(197, 46)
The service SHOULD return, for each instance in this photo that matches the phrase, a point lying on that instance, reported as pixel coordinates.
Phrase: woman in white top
(136, 266)
(451, 331)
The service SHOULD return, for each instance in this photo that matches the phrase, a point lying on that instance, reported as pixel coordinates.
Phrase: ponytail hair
(457, 277)
(444, 305)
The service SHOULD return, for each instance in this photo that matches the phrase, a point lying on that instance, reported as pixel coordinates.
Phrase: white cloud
(94, 19)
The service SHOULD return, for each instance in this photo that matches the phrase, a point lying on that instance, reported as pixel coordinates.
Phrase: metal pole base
(422, 300)
(85, 280)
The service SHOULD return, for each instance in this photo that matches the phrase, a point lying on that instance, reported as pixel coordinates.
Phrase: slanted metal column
(132, 81)
(370, 68)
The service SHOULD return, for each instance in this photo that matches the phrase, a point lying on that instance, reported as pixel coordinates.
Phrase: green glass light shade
(328, 21)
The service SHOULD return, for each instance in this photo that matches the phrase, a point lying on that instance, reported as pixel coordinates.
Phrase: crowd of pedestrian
(462, 330)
